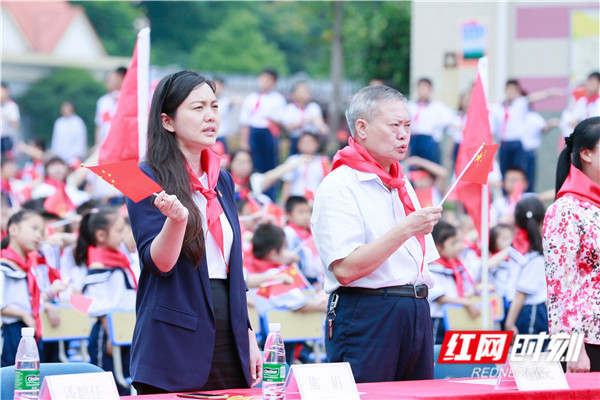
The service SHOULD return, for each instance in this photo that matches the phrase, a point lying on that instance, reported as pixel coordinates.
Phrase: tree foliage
(41, 103)
(114, 22)
(238, 46)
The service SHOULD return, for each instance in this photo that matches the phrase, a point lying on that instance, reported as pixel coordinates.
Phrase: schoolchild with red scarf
(527, 313)
(22, 299)
(299, 238)
(453, 282)
(110, 281)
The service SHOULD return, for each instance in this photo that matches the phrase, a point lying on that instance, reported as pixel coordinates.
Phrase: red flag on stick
(128, 178)
(477, 131)
(274, 288)
(479, 170)
(126, 139)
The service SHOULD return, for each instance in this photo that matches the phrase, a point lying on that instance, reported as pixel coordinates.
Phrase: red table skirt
(582, 387)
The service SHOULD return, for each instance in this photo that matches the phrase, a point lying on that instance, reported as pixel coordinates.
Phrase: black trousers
(226, 368)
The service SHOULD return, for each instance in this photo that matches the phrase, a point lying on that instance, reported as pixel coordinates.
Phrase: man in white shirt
(69, 137)
(375, 243)
(261, 118)
(429, 119)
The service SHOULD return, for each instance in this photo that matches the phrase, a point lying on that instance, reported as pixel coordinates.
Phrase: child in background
(269, 264)
(304, 179)
(428, 179)
(110, 281)
(528, 313)
(514, 184)
(299, 238)
(22, 299)
(453, 283)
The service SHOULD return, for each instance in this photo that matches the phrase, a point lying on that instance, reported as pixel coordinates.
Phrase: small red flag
(274, 288)
(128, 178)
(480, 168)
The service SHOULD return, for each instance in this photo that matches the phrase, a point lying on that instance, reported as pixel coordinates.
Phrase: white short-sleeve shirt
(293, 114)
(217, 265)
(510, 127)
(258, 108)
(430, 118)
(353, 208)
(584, 110)
(306, 177)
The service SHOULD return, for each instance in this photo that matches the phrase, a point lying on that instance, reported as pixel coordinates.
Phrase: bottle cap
(274, 327)
(27, 331)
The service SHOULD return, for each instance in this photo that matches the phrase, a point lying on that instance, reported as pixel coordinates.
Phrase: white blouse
(217, 265)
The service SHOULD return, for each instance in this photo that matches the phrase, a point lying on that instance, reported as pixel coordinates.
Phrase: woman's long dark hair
(92, 222)
(529, 214)
(585, 136)
(166, 160)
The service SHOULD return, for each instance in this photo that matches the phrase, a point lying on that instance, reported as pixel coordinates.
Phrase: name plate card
(538, 374)
(333, 381)
(89, 386)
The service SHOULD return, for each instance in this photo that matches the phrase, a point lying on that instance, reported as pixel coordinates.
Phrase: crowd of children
(59, 239)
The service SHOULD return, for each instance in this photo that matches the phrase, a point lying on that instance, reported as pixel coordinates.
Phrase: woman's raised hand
(171, 207)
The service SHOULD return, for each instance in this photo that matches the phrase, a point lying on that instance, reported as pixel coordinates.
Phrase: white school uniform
(532, 131)
(508, 119)
(259, 108)
(306, 177)
(293, 114)
(310, 262)
(582, 109)
(445, 285)
(110, 289)
(430, 118)
(532, 277)
(15, 292)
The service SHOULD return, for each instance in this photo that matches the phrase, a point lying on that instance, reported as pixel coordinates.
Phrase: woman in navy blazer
(192, 330)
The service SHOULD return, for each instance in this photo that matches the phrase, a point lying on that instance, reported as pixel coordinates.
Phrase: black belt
(416, 291)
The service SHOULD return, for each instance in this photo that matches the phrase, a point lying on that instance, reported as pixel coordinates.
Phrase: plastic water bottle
(27, 367)
(273, 387)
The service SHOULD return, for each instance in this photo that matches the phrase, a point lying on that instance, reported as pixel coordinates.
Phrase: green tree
(238, 46)
(377, 41)
(114, 23)
(41, 103)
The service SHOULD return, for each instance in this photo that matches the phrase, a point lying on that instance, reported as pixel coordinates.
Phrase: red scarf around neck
(521, 241)
(254, 265)
(357, 157)
(59, 202)
(242, 186)
(110, 259)
(211, 164)
(458, 269)
(302, 233)
(34, 291)
(592, 99)
(580, 186)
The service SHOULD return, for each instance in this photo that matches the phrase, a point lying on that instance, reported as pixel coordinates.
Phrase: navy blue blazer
(174, 335)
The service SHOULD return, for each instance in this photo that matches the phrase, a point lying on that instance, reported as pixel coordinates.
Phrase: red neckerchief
(242, 185)
(5, 185)
(580, 186)
(357, 157)
(458, 269)
(38, 259)
(58, 202)
(254, 265)
(302, 233)
(34, 291)
(521, 242)
(592, 99)
(110, 259)
(211, 164)
(420, 106)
